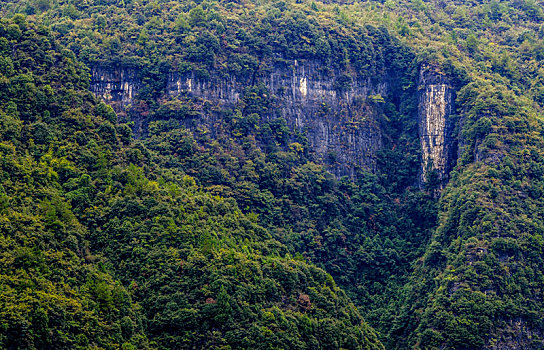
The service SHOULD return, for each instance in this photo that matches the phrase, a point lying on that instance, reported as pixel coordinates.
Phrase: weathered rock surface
(436, 125)
(118, 86)
(333, 109)
(341, 126)
(338, 113)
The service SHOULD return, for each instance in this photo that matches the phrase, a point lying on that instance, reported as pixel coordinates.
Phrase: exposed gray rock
(115, 85)
(436, 125)
(332, 108)
(517, 335)
(338, 113)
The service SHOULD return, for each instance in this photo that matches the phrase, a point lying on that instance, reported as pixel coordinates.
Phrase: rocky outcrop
(337, 112)
(516, 334)
(305, 82)
(117, 86)
(436, 125)
(333, 108)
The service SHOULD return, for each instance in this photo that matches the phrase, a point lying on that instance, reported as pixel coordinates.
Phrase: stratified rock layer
(115, 85)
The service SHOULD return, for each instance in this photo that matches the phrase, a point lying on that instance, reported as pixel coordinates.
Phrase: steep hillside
(263, 110)
(482, 271)
(326, 78)
(100, 253)
(395, 145)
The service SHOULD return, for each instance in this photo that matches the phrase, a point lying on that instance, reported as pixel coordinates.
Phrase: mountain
(100, 253)
(246, 174)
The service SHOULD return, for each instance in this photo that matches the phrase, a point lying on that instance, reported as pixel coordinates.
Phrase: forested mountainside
(252, 175)
(99, 252)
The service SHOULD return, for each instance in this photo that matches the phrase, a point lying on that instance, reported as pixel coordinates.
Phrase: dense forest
(204, 198)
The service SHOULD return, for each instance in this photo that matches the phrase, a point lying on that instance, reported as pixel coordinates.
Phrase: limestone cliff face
(438, 144)
(333, 109)
(117, 86)
(305, 82)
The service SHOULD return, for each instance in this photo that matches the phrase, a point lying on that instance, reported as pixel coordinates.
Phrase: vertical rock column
(436, 104)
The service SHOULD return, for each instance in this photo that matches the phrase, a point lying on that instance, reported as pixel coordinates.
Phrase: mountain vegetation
(137, 227)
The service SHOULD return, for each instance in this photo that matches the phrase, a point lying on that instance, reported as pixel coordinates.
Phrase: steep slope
(97, 252)
(482, 272)
(436, 126)
(51, 292)
(250, 98)
(297, 85)
(478, 283)
(325, 77)
(267, 91)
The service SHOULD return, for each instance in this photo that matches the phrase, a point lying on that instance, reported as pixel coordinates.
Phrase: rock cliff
(117, 86)
(333, 108)
(338, 112)
(436, 125)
